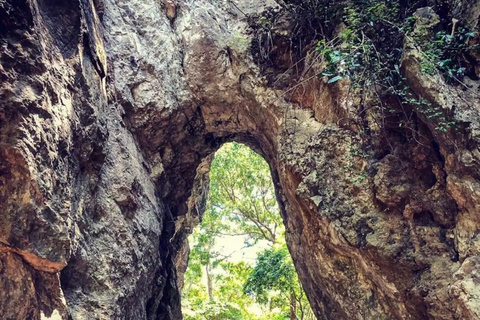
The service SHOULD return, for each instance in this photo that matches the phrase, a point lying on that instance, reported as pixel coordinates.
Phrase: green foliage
(445, 53)
(367, 51)
(228, 301)
(273, 281)
(273, 271)
(355, 52)
(379, 11)
(242, 197)
(432, 113)
(217, 311)
(241, 201)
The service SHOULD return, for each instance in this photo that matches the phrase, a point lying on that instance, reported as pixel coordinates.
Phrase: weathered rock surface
(110, 113)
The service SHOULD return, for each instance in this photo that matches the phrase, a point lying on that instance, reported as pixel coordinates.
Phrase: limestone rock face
(110, 113)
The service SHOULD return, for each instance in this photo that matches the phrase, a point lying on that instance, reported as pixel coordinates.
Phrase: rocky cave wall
(110, 113)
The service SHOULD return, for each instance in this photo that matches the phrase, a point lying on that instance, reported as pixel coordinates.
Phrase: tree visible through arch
(239, 265)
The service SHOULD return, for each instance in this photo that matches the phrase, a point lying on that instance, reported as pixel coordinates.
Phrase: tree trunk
(209, 283)
(293, 306)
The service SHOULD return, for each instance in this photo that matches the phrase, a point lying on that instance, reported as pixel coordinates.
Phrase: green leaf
(397, 69)
(334, 79)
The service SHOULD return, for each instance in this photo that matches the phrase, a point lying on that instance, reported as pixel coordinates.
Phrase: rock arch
(103, 152)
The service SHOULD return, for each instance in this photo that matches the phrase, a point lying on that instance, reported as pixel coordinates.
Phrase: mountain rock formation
(110, 113)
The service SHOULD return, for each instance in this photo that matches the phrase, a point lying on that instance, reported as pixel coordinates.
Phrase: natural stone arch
(310, 146)
(310, 238)
(97, 167)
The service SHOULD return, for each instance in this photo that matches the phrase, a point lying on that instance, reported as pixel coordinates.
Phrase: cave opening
(239, 266)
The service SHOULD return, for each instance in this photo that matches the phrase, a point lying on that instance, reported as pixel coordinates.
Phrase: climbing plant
(363, 41)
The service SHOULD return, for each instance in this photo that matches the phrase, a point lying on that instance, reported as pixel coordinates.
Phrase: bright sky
(235, 246)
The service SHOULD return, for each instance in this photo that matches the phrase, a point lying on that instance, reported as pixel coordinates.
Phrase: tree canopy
(241, 192)
(242, 206)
